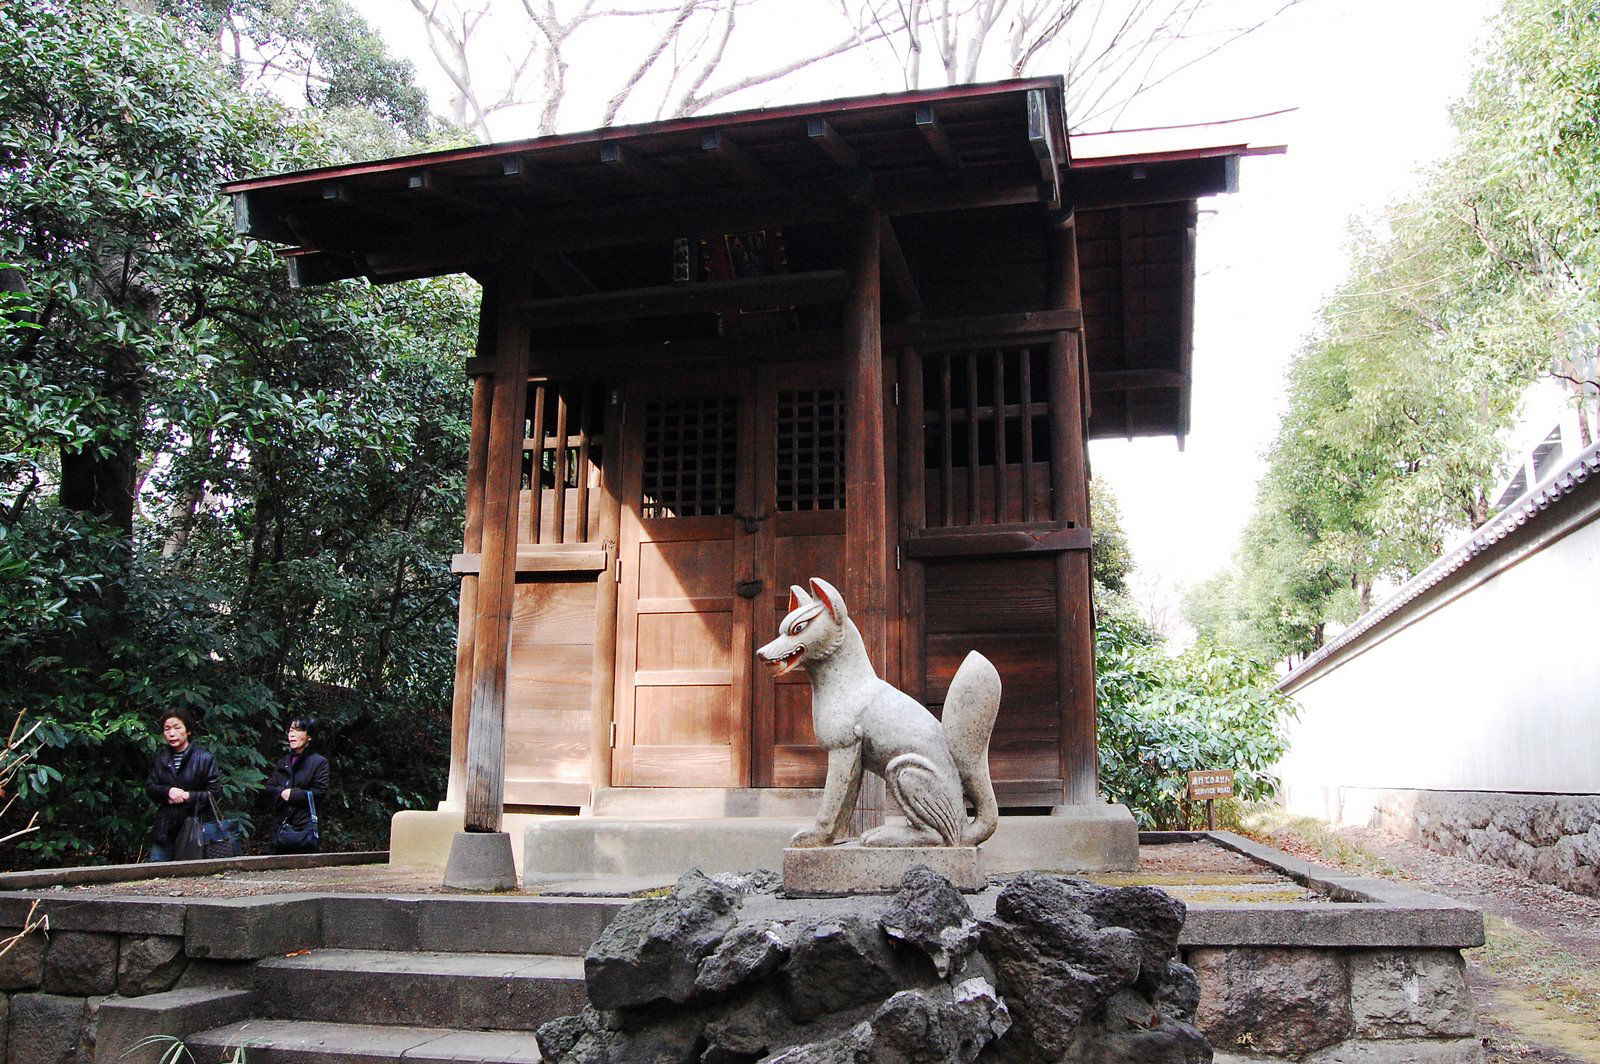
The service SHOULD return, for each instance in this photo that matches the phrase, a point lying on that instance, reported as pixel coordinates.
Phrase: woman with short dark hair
(182, 782)
(298, 781)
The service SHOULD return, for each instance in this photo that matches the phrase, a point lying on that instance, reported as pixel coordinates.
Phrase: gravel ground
(1536, 982)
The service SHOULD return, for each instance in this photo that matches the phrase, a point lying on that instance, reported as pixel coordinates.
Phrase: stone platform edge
(82, 875)
(1361, 913)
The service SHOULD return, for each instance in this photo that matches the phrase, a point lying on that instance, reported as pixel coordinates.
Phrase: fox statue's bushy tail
(968, 720)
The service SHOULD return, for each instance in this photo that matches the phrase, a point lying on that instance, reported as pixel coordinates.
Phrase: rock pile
(720, 973)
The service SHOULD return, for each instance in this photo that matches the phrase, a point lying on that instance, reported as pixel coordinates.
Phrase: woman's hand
(177, 795)
(286, 794)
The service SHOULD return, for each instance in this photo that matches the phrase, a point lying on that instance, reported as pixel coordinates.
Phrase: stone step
(499, 991)
(318, 1042)
(563, 926)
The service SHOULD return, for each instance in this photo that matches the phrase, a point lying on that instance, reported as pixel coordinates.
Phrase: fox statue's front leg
(838, 798)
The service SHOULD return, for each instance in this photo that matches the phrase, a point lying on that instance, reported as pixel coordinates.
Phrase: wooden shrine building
(865, 339)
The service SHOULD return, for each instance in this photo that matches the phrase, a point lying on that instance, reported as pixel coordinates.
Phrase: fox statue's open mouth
(789, 662)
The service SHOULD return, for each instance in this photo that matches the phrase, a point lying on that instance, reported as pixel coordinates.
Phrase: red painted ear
(797, 597)
(829, 596)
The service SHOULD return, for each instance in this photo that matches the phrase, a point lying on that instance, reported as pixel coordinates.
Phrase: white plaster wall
(1498, 690)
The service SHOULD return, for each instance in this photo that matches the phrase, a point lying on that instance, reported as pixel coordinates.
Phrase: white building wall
(1498, 689)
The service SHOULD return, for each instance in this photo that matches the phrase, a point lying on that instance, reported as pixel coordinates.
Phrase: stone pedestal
(855, 869)
(481, 860)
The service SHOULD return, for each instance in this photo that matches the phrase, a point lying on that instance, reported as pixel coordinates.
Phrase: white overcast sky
(1372, 81)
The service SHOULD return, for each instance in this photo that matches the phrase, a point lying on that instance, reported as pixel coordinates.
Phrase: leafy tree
(1110, 556)
(322, 48)
(1464, 294)
(215, 492)
(1162, 717)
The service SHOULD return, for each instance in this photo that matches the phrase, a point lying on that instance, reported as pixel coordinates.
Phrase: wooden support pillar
(471, 543)
(604, 675)
(502, 480)
(1070, 504)
(866, 529)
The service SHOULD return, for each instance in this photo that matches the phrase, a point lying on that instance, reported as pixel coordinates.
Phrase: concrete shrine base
(693, 829)
(1098, 838)
(855, 869)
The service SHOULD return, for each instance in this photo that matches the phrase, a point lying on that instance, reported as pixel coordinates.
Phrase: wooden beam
(486, 737)
(935, 136)
(821, 133)
(820, 286)
(471, 541)
(640, 169)
(1186, 319)
(928, 336)
(718, 145)
(535, 558)
(561, 275)
(541, 179)
(604, 676)
(866, 516)
(898, 282)
(913, 518)
(1070, 506)
(1042, 139)
(1137, 380)
(1136, 186)
(1003, 541)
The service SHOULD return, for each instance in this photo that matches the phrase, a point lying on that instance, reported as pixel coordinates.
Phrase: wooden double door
(733, 488)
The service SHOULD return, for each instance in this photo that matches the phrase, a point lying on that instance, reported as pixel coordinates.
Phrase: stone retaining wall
(55, 983)
(1331, 1006)
(1554, 838)
(1373, 975)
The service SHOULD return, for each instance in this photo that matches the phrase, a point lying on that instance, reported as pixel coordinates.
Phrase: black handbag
(219, 838)
(189, 845)
(297, 840)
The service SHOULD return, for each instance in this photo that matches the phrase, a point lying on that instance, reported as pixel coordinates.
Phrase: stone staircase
(492, 976)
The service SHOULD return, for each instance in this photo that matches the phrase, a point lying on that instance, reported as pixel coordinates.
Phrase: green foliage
(1110, 557)
(216, 492)
(1161, 717)
(1462, 296)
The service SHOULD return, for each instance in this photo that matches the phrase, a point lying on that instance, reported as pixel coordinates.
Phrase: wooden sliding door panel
(682, 679)
(800, 488)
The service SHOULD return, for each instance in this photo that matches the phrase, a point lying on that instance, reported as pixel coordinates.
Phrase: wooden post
(866, 516)
(486, 735)
(471, 543)
(467, 614)
(1070, 504)
(601, 707)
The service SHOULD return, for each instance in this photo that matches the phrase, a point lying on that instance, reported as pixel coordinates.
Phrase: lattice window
(810, 451)
(690, 457)
(562, 452)
(986, 435)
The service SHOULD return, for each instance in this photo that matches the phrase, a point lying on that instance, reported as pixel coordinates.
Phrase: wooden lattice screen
(986, 435)
(561, 458)
(690, 457)
(810, 450)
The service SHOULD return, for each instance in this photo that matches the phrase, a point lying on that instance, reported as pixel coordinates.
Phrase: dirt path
(1536, 981)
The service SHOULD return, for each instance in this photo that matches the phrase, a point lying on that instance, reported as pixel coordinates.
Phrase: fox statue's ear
(829, 596)
(797, 597)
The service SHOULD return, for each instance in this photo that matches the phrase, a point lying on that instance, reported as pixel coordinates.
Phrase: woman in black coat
(298, 779)
(183, 779)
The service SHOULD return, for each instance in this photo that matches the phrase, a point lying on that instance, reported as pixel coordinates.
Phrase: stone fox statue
(862, 721)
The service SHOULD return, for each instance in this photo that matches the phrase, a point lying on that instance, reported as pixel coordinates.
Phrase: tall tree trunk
(100, 484)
